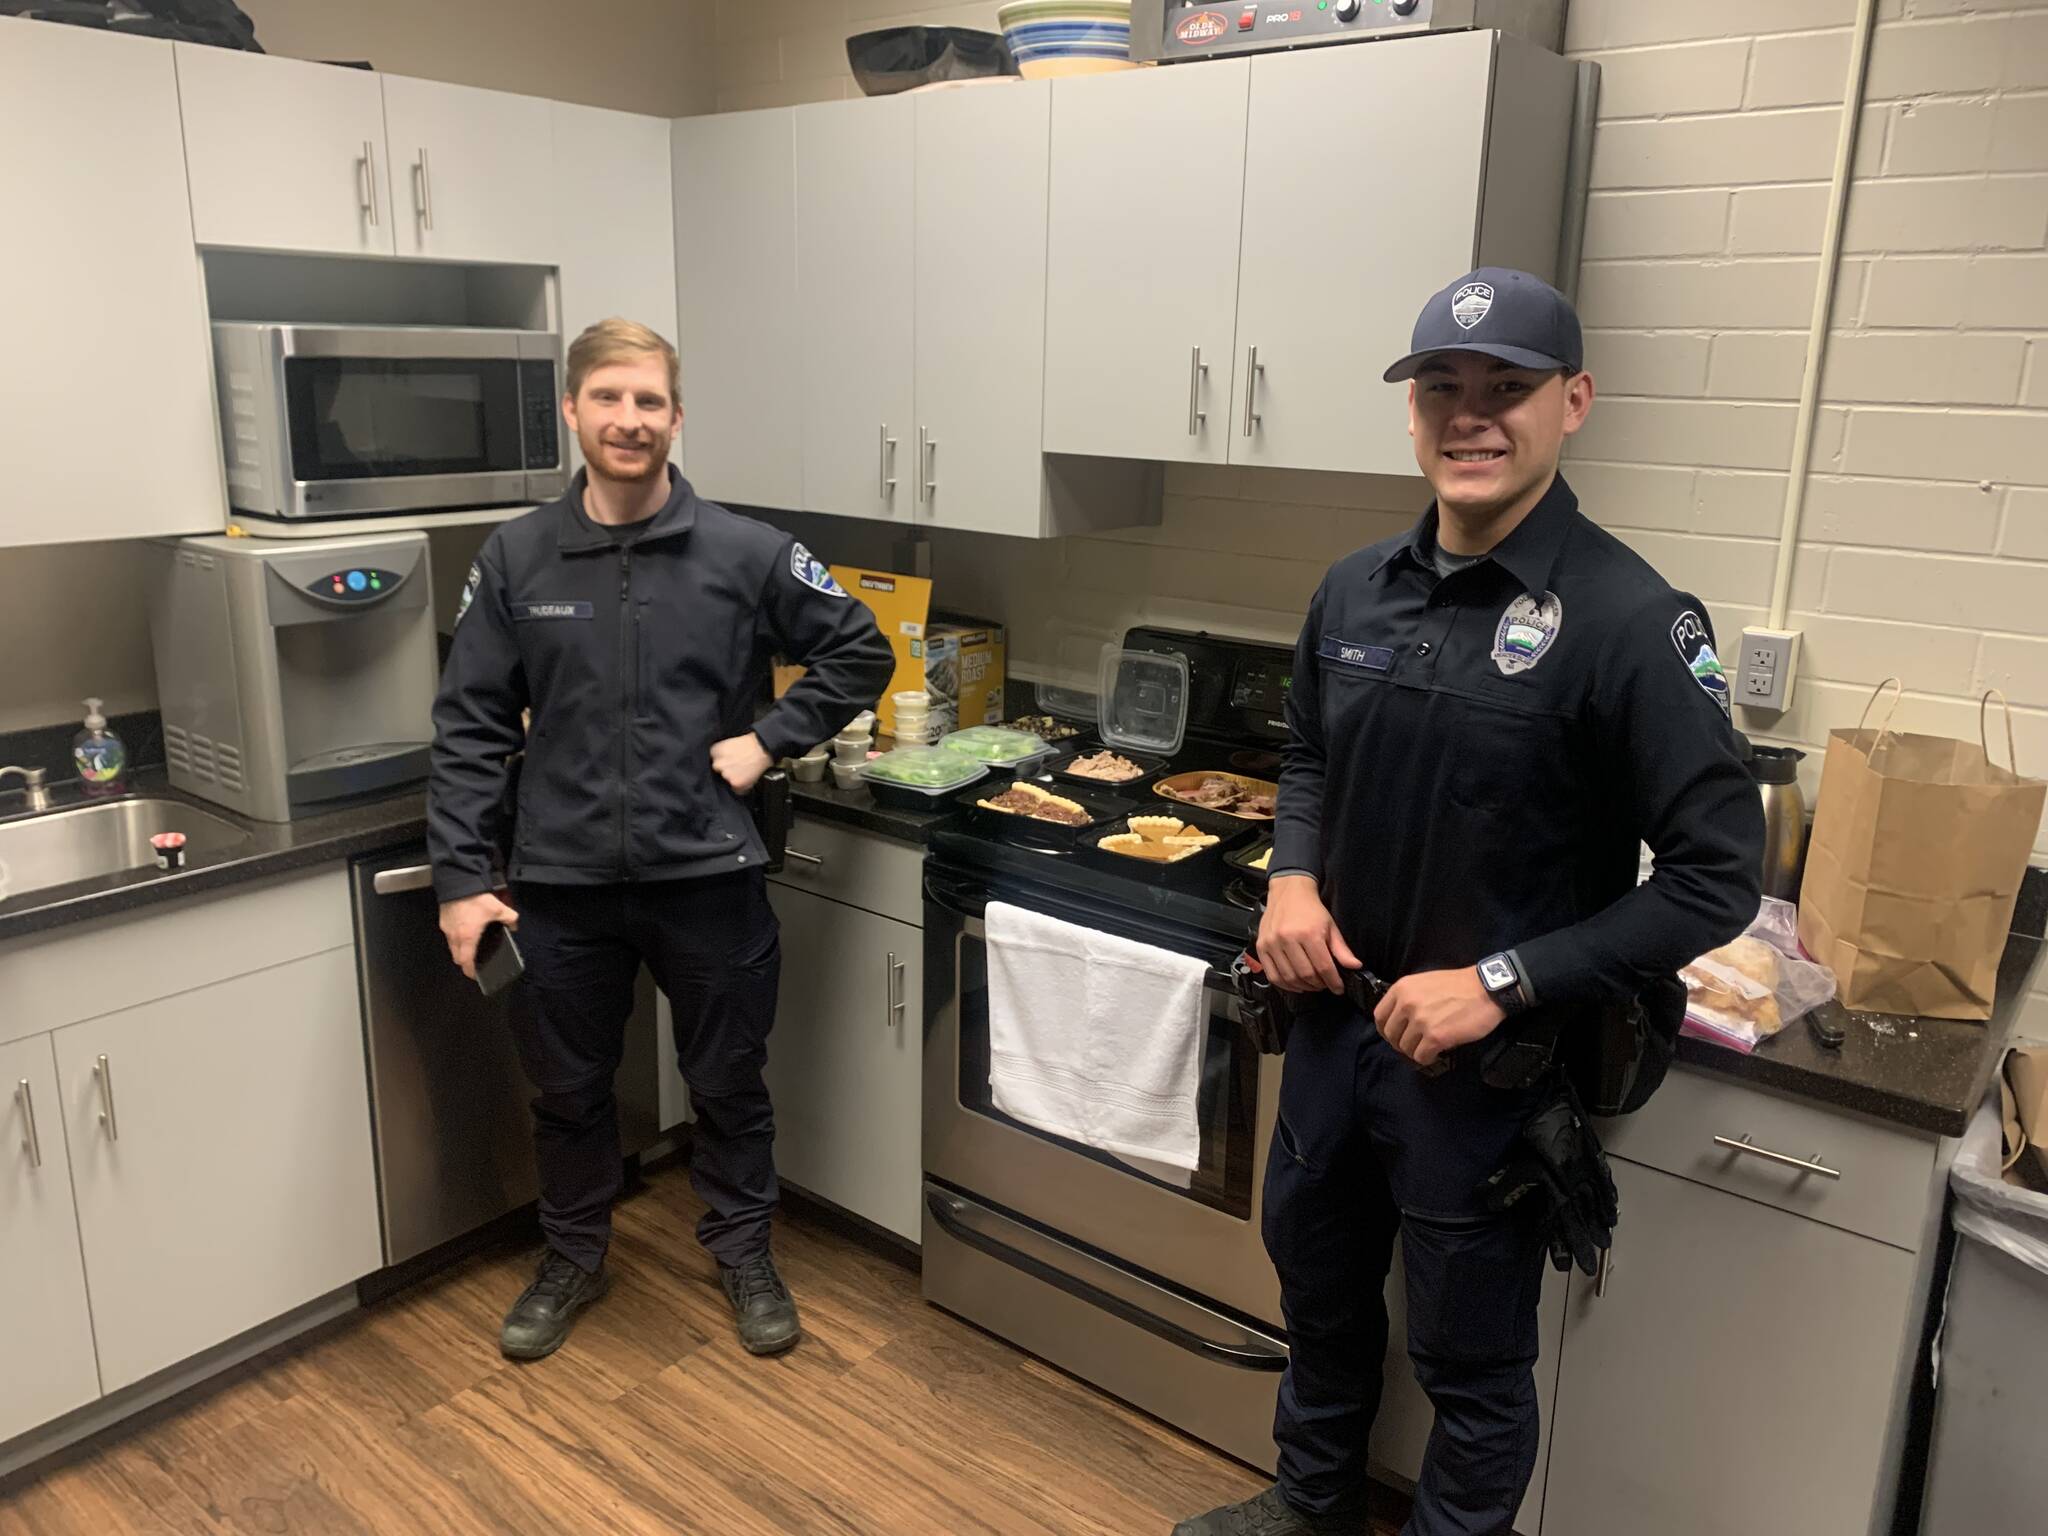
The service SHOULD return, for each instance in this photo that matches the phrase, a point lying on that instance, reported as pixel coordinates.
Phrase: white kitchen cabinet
(1141, 293)
(982, 171)
(221, 1157)
(735, 242)
(856, 296)
(1372, 177)
(45, 1325)
(1738, 1374)
(106, 325)
(845, 1058)
(474, 172)
(615, 233)
(285, 155)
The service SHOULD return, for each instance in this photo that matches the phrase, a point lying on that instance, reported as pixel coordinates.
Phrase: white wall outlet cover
(1766, 668)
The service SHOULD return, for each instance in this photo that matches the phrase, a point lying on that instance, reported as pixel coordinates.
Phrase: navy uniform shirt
(1475, 758)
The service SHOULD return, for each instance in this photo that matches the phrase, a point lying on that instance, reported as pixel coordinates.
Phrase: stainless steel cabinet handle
(1252, 369)
(888, 462)
(395, 882)
(366, 185)
(423, 190)
(897, 1001)
(815, 860)
(1804, 1165)
(1602, 1271)
(105, 1073)
(1197, 371)
(928, 466)
(920, 466)
(32, 1144)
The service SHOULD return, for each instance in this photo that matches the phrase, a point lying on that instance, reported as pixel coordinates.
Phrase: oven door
(1204, 1239)
(404, 420)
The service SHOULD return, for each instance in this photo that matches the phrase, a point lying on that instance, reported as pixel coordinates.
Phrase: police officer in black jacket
(636, 623)
(1488, 715)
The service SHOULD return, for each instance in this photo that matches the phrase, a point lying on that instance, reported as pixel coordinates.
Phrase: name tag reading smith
(1347, 653)
(526, 612)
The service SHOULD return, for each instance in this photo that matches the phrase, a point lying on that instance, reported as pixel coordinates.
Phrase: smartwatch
(1502, 978)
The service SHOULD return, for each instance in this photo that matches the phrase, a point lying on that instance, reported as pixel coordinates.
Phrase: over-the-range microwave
(332, 421)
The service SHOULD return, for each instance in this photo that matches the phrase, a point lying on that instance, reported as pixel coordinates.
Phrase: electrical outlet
(1768, 663)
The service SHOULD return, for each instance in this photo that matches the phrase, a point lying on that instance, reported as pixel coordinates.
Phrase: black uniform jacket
(635, 653)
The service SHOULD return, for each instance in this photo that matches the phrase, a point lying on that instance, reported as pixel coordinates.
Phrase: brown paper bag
(1919, 843)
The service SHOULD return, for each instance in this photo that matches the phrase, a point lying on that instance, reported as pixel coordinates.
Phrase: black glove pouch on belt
(1558, 1173)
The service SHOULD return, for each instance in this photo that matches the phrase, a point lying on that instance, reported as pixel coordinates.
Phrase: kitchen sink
(89, 842)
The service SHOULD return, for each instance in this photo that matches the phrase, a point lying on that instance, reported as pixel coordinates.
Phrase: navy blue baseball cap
(1499, 312)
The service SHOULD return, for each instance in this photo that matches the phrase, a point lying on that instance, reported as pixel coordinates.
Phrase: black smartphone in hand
(498, 963)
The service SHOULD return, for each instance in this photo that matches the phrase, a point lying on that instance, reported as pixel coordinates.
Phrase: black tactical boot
(761, 1302)
(1268, 1514)
(541, 1318)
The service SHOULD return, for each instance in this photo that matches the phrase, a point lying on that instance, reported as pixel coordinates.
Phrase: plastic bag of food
(1747, 991)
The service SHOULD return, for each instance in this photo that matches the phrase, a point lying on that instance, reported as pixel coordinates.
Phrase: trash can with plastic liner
(1986, 1473)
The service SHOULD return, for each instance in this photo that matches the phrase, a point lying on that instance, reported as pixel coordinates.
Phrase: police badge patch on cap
(1526, 632)
(1470, 304)
(810, 570)
(1696, 649)
(476, 576)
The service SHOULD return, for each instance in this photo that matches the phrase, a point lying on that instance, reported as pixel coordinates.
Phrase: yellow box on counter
(959, 662)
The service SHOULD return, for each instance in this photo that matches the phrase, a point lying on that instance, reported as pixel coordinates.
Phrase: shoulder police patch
(1696, 649)
(1526, 632)
(811, 571)
(476, 576)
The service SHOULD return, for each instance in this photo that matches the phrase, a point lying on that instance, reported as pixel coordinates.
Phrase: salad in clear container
(996, 745)
(916, 777)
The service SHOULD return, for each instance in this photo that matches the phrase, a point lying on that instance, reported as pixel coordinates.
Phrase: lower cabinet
(845, 1058)
(45, 1323)
(220, 1149)
(1736, 1376)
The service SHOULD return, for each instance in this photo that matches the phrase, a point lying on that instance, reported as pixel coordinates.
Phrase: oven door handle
(1123, 1295)
(970, 904)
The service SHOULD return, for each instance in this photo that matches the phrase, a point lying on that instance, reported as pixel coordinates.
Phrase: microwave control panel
(540, 412)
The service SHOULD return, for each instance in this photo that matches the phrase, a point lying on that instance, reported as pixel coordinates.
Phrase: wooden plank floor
(891, 1417)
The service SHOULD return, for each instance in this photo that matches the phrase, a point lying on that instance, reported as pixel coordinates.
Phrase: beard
(605, 462)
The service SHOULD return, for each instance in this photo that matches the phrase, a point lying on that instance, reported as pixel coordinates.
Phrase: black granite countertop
(1926, 1074)
(273, 848)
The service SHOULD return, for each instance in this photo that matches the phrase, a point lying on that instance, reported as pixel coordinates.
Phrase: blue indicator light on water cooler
(357, 581)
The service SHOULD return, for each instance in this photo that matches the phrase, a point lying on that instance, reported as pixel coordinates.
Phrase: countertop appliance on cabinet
(1178, 31)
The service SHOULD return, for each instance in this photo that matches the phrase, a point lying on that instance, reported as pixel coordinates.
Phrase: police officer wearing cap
(1489, 713)
(636, 622)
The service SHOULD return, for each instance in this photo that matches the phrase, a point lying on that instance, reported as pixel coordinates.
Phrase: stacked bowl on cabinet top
(1067, 37)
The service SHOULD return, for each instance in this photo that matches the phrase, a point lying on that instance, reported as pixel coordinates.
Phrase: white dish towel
(1096, 1038)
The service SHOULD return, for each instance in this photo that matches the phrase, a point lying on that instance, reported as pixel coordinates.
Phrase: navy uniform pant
(713, 947)
(1366, 1148)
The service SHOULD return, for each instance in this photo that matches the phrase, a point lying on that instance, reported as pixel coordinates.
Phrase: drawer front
(1887, 1175)
(858, 868)
(107, 964)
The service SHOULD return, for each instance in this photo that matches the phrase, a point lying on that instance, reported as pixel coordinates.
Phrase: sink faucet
(32, 786)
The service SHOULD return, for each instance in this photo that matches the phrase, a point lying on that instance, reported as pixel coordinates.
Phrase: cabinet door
(45, 1328)
(475, 172)
(982, 171)
(615, 234)
(855, 197)
(1737, 1376)
(1331, 276)
(1141, 290)
(845, 1058)
(735, 202)
(103, 294)
(284, 155)
(220, 1149)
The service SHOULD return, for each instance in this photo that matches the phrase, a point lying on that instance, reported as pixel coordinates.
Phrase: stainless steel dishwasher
(448, 1101)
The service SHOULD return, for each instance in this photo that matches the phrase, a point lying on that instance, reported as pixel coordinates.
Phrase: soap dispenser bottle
(101, 757)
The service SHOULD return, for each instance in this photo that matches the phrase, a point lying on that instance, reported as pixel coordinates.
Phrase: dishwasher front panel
(449, 1102)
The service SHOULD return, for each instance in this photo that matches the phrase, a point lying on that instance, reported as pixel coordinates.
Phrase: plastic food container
(1100, 809)
(1144, 701)
(845, 775)
(918, 778)
(1003, 750)
(1149, 767)
(1245, 860)
(852, 749)
(1171, 789)
(1196, 869)
(810, 768)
